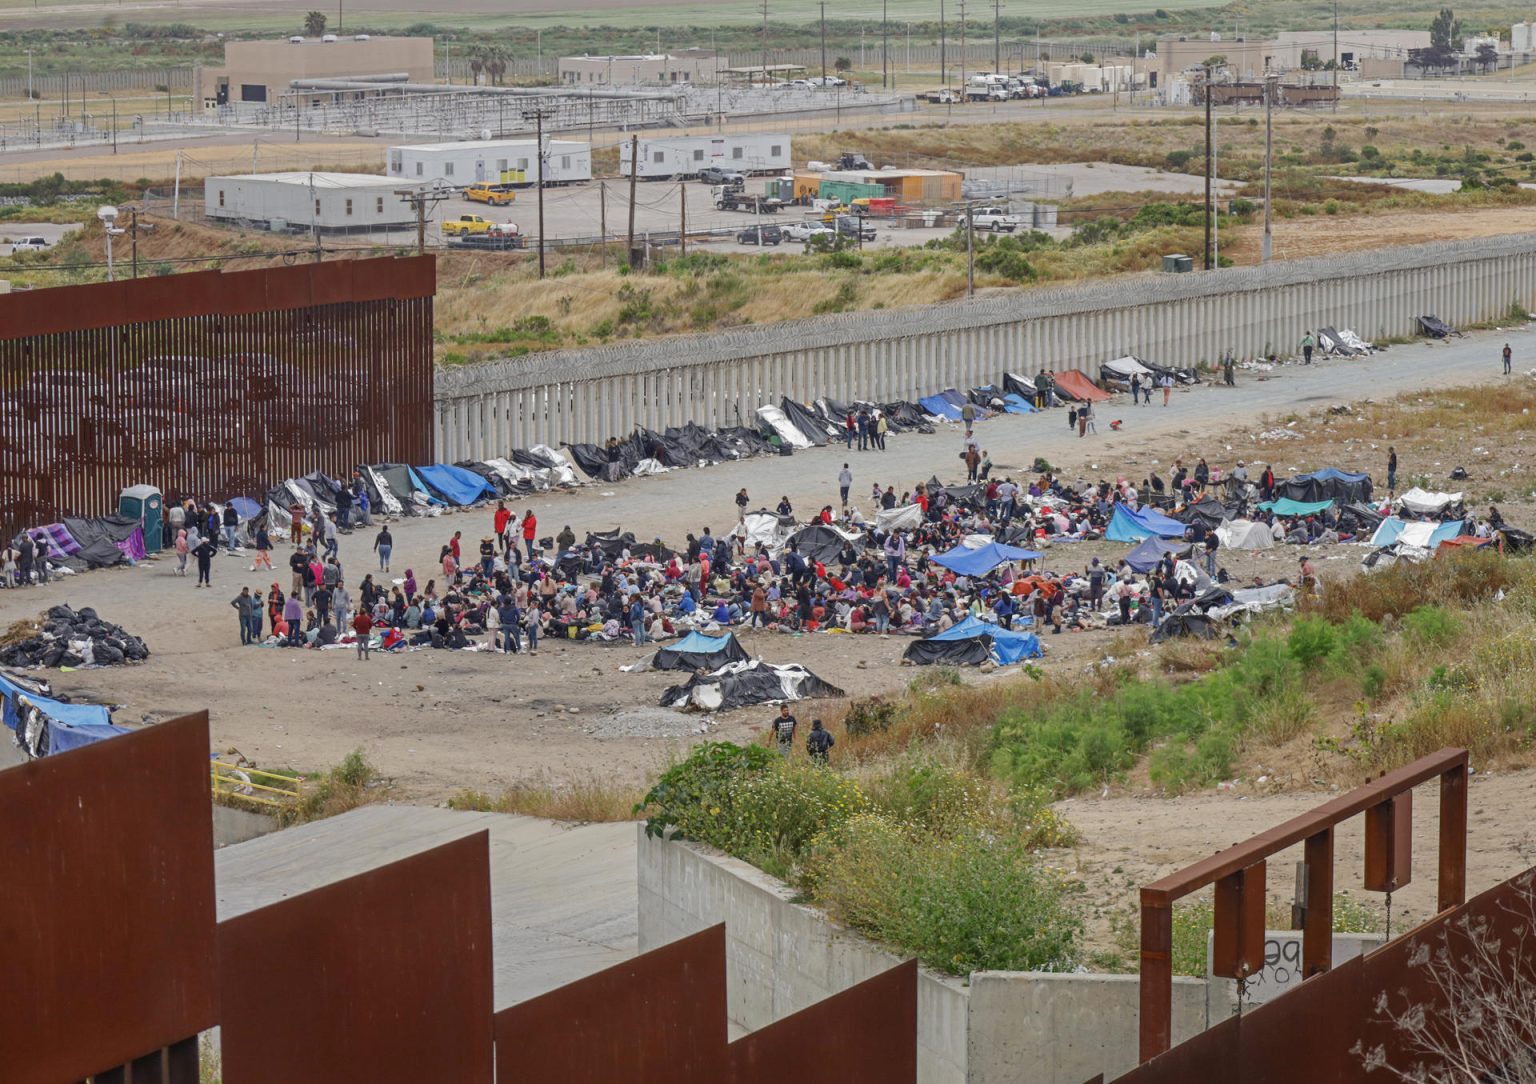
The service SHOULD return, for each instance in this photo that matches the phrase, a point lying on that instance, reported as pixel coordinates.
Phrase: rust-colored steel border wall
(211, 384)
(657, 1019)
(1328, 1029)
(106, 905)
(818, 1045)
(383, 976)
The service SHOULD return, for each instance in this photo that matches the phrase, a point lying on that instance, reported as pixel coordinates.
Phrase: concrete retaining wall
(783, 956)
(721, 378)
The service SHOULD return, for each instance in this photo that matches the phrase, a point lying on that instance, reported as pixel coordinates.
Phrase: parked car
(760, 235)
(851, 226)
(495, 194)
(29, 244)
(721, 175)
(805, 231)
(996, 219)
(826, 81)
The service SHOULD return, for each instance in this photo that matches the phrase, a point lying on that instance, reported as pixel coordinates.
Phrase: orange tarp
(1079, 386)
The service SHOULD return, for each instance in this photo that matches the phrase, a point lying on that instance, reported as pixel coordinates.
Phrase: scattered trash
(65, 637)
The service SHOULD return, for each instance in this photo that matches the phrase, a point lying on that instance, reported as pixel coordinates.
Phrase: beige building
(1371, 51)
(1244, 59)
(1355, 46)
(262, 71)
(689, 66)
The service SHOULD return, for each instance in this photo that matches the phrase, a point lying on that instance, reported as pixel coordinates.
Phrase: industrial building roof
(319, 180)
(469, 144)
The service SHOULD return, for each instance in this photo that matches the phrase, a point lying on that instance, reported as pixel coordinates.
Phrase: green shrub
(870, 716)
(1429, 625)
(960, 904)
(1311, 641)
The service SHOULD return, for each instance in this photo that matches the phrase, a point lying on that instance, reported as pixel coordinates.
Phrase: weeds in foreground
(352, 783)
(586, 800)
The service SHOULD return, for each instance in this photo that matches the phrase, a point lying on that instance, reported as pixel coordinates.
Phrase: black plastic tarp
(814, 428)
(1333, 343)
(1020, 385)
(1359, 517)
(905, 417)
(685, 654)
(744, 684)
(1184, 623)
(972, 651)
(500, 484)
(1209, 511)
(1435, 327)
(1326, 485)
(818, 542)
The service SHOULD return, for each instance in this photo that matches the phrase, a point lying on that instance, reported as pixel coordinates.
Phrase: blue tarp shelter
(1287, 507)
(245, 508)
(940, 407)
(1007, 647)
(455, 484)
(1426, 535)
(980, 561)
(1145, 555)
(697, 651)
(1128, 526)
(69, 725)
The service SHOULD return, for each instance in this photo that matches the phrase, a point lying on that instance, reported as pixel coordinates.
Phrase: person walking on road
(204, 553)
(742, 500)
(384, 542)
(1307, 343)
(844, 484)
(818, 743)
(1508, 356)
(784, 731)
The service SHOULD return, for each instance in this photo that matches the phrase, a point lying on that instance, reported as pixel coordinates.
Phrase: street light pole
(1269, 148)
(542, 159)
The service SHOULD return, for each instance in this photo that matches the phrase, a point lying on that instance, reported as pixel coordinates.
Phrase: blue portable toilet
(145, 504)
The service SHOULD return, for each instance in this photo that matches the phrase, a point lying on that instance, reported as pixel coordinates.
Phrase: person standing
(341, 603)
(384, 543)
(818, 743)
(499, 522)
(972, 462)
(531, 627)
(637, 618)
(1228, 369)
(362, 628)
(243, 604)
(1135, 388)
(510, 619)
(328, 529)
(850, 429)
(844, 484)
(232, 523)
(1307, 343)
(1167, 383)
(487, 557)
(881, 429)
(968, 416)
(864, 430)
(204, 554)
(530, 531)
(1392, 470)
(784, 731)
(742, 500)
(1508, 357)
(183, 550)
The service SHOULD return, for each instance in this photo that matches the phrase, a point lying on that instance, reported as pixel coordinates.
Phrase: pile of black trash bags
(75, 638)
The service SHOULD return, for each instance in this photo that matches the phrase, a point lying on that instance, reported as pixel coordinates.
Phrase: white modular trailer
(684, 156)
(308, 200)
(491, 161)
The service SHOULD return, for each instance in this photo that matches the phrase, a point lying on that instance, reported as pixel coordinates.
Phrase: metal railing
(270, 789)
(1238, 874)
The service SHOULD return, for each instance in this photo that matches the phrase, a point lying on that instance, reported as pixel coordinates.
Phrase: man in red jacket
(530, 531)
(362, 625)
(503, 517)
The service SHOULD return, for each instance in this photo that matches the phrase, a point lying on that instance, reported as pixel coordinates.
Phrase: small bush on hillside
(1431, 626)
(1311, 641)
(871, 716)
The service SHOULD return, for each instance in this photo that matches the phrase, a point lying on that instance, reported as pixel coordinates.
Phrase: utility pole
(824, 43)
(1207, 256)
(634, 172)
(1336, 56)
(970, 251)
(885, 43)
(765, 42)
(962, 51)
(133, 231)
(418, 200)
(537, 116)
(943, 43)
(1269, 148)
(602, 210)
(114, 125)
(682, 217)
(997, 35)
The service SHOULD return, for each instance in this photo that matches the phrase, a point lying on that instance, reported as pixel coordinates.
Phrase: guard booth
(145, 504)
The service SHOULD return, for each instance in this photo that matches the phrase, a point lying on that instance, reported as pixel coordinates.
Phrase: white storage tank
(684, 156)
(491, 161)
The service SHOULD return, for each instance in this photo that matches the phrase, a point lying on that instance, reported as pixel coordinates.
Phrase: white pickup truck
(996, 219)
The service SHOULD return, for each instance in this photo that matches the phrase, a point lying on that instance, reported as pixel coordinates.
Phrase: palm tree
(497, 65)
(477, 63)
(314, 24)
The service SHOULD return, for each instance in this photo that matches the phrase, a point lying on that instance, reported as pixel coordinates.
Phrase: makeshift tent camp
(455, 485)
(1022, 386)
(1329, 341)
(821, 542)
(940, 407)
(1074, 385)
(1122, 369)
(1284, 506)
(1360, 518)
(1462, 542)
(1436, 328)
(1243, 534)
(1207, 510)
(1185, 621)
(1425, 503)
(816, 430)
(1007, 646)
(1128, 526)
(697, 651)
(1424, 535)
(1145, 555)
(785, 429)
(904, 417)
(965, 561)
(43, 725)
(742, 684)
(971, 651)
(1327, 484)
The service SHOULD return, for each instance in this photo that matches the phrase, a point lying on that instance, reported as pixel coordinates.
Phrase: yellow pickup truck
(466, 225)
(494, 194)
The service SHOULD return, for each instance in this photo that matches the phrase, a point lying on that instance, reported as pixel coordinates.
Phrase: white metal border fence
(1174, 319)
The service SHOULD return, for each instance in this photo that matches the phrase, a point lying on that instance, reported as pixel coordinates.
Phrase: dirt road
(439, 721)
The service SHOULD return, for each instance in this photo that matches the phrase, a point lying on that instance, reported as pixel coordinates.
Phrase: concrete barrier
(588, 395)
(998, 1027)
